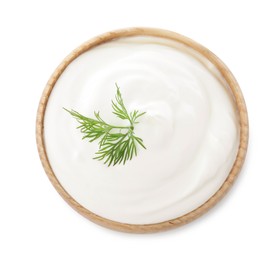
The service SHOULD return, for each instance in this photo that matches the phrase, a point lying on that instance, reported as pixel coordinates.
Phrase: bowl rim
(240, 105)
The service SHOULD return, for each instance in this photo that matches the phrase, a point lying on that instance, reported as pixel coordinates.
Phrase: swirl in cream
(190, 129)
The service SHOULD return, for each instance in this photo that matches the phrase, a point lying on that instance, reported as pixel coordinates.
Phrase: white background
(35, 223)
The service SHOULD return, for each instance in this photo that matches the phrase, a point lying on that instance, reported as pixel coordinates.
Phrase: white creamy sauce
(190, 129)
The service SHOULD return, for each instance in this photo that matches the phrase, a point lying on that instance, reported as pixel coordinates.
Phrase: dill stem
(120, 127)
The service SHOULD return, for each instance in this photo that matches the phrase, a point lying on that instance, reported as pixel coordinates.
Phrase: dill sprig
(117, 144)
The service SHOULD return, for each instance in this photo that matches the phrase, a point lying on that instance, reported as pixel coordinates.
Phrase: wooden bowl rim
(241, 109)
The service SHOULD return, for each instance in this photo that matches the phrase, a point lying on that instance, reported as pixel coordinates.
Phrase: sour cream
(190, 129)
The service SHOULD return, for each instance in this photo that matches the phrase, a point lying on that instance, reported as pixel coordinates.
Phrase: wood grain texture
(241, 109)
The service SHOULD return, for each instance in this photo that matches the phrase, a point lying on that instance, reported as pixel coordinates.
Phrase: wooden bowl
(241, 110)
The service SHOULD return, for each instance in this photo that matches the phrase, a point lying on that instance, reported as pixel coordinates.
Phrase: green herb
(117, 143)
